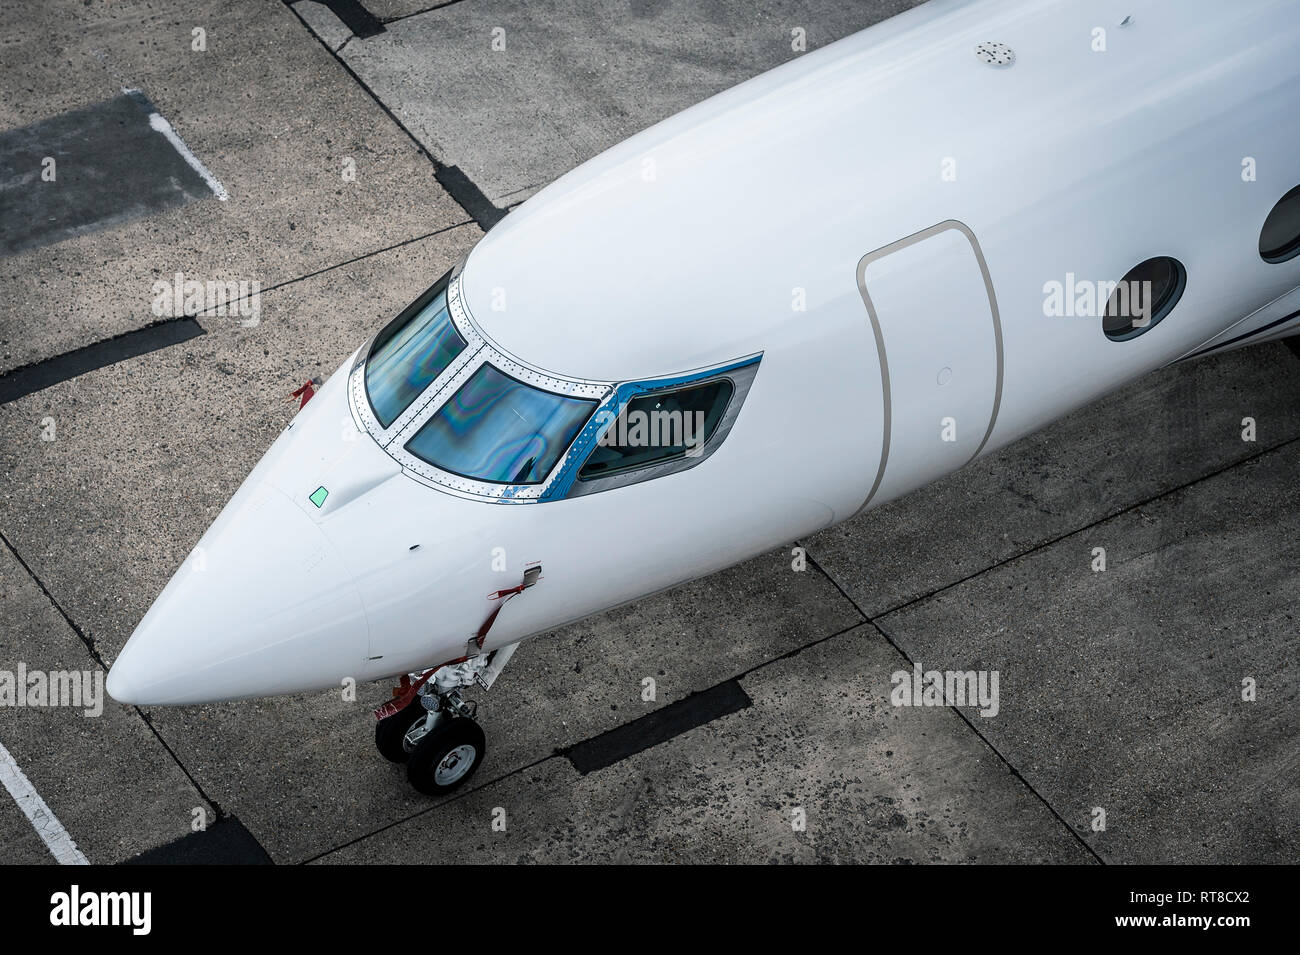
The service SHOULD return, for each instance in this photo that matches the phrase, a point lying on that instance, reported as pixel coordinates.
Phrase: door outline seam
(882, 252)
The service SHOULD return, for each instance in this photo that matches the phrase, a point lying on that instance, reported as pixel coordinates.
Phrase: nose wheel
(441, 747)
(446, 757)
(390, 732)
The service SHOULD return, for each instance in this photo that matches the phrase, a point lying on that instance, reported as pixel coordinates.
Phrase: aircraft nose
(264, 605)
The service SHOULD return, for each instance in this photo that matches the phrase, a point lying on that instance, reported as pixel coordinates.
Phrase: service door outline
(959, 366)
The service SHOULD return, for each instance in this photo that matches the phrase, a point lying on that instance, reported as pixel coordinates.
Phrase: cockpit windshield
(404, 363)
(500, 430)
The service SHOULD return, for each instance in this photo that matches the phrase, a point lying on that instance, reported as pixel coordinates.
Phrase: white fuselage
(881, 221)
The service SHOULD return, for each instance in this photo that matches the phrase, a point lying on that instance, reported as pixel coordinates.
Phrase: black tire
(390, 730)
(461, 741)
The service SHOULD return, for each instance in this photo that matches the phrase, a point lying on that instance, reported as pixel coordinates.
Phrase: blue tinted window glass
(659, 426)
(500, 430)
(404, 365)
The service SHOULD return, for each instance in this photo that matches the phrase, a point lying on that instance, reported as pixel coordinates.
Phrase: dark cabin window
(1279, 240)
(1143, 298)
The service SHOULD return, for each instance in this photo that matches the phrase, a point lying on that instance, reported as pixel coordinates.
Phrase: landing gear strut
(437, 733)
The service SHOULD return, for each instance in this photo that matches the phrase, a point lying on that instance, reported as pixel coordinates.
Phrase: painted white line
(158, 123)
(164, 127)
(45, 823)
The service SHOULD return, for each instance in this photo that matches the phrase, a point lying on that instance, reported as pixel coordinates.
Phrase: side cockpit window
(409, 354)
(501, 431)
(647, 430)
(659, 426)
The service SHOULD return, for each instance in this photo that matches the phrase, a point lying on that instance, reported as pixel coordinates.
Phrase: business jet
(797, 300)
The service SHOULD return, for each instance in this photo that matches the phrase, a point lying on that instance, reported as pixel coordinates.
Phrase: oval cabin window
(1279, 240)
(1143, 297)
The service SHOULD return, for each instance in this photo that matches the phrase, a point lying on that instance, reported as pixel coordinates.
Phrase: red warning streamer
(305, 392)
(406, 691)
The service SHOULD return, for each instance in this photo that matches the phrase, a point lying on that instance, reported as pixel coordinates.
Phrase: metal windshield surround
(561, 482)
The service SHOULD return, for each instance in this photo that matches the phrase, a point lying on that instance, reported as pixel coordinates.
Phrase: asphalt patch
(42, 374)
(89, 169)
(225, 842)
(658, 727)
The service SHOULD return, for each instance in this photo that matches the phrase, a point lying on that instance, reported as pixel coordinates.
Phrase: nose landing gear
(437, 733)
(428, 726)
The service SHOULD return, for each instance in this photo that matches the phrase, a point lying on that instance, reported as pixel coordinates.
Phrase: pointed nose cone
(264, 605)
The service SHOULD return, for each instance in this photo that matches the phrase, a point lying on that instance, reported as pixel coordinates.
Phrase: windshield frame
(479, 350)
(560, 483)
